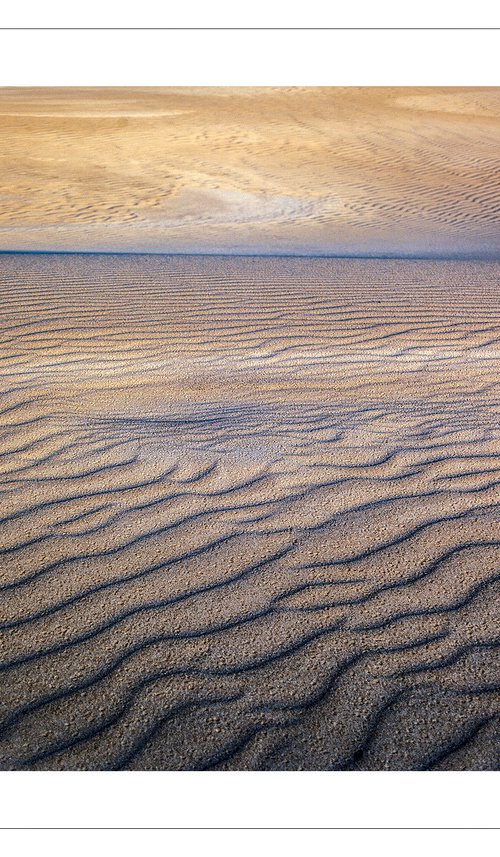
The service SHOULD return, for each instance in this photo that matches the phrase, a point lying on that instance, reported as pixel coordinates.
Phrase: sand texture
(348, 171)
(249, 513)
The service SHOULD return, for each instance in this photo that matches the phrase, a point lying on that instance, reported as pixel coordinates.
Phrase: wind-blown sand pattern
(249, 512)
(343, 171)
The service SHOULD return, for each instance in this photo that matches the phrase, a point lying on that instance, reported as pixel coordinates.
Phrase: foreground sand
(248, 513)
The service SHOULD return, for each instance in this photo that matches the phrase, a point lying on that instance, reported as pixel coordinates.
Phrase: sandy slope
(349, 171)
(249, 513)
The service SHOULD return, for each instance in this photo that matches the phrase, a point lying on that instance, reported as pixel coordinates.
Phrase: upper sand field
(249, 513)
(344, 171)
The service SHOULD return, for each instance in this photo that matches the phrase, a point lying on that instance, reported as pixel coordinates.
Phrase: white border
(259, 13)
(249, 799)
(249, 57)
(248, 843)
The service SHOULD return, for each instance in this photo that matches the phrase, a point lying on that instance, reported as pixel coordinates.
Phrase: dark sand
(249, 513)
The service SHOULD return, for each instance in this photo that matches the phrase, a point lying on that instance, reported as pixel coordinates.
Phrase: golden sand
(337, 170)
(249, 507)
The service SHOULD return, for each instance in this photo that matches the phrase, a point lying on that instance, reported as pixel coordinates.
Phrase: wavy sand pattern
(347, 171)
(249, 512)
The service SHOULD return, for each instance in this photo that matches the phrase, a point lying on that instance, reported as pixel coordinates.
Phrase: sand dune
(249, 512)
(344, 171)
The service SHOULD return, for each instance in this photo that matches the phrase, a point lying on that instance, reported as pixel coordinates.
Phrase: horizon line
(374, 256)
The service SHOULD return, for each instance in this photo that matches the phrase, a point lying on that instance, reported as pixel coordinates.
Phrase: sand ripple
(248, 513)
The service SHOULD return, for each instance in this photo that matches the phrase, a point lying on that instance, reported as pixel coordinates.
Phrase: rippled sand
(336, 170)
(249, 513)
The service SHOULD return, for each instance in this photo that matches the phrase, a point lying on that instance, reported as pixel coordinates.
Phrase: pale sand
(346, 171)
(249, 513)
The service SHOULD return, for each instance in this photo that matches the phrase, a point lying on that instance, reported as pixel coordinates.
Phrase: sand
(248, 512)
(346, 171)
